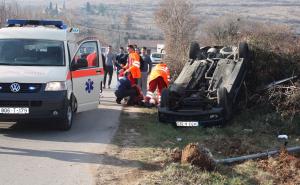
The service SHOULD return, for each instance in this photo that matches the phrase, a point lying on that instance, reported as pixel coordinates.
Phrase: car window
(31, 52)
(87, 53)
(157, 55)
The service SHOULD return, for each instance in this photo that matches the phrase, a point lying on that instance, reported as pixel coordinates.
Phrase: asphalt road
(37, 153)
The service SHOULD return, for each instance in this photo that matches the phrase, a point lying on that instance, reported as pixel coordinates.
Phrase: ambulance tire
(74, 103)
(67, 121)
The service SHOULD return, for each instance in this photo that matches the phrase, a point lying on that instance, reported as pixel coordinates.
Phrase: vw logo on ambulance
(15, 87)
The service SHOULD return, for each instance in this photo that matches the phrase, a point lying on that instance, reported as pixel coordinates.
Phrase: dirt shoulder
(141, 149)
(124, 162)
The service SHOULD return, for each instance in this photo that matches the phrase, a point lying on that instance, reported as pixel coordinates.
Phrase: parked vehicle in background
(160, 48)
(156, 57)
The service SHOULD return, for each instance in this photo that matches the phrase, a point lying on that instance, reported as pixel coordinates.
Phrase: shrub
(175, 18)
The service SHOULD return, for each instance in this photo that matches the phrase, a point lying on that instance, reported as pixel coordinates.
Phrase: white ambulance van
(40, 78)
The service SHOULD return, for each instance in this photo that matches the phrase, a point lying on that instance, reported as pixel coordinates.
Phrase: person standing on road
(110, 60)
(146, 68)
(121, 61)
(133, 65)
(137, 50)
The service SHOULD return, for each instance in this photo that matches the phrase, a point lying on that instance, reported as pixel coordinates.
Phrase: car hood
(30, 74)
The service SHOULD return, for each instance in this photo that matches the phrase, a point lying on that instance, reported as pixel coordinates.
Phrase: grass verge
(250, 132)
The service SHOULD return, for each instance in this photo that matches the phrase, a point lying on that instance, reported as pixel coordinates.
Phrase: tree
(64, 5)
(175, 18)
(102, 9)
(56, 10)
(50, 6)
(127, 20)
(224, 30)
(88, 7)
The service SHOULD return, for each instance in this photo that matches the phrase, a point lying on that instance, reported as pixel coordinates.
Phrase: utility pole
(119, 42)
(4, 10)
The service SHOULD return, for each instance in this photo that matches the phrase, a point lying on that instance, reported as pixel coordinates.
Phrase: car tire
(244, 51)
(164, 98)
(225, 102)
(194, 49)
(67, 121)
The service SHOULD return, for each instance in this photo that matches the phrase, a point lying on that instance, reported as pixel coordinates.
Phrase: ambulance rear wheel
(67, 121)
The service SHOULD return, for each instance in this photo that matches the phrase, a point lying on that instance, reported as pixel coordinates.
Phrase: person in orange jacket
(159, 79)
(133, 65)
(92, 59)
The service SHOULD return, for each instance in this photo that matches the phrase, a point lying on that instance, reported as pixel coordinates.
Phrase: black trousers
(108, 70)
(125, 93)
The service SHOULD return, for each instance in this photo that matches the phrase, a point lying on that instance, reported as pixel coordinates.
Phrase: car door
(87, 75)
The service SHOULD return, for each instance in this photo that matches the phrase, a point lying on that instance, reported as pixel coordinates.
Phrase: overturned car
(207, 88)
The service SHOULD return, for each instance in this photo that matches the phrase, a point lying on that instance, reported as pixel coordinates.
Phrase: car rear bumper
(204, 118)
(41, 105)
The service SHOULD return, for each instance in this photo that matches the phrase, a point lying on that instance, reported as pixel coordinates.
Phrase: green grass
(249, 132)
(252, 131)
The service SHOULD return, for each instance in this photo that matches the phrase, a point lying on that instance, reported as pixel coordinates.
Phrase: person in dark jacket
(125, 89)
(121, 60)
(110, 60)
(145, 70)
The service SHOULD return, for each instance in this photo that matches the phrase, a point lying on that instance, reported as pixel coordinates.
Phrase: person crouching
(159, 79)
(126, 88)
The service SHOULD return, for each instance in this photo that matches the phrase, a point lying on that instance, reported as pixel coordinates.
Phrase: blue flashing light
(22, 22)
(32, 88)
(1, 88)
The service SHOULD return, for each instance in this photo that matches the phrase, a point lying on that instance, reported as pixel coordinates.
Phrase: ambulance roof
(34, 29)
(39, 32)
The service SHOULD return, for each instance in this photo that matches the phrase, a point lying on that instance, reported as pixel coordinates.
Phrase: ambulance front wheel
(67, 120)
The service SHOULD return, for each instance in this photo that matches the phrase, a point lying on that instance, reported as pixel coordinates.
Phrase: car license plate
(14, 110)
(187, 123)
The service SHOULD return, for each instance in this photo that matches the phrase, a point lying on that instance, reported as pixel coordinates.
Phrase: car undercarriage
(206, 90)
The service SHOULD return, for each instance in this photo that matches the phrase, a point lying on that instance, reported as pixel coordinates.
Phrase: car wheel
(194, 49)
(225, 102)
(67, 121)
(164, 98)
(244, 51)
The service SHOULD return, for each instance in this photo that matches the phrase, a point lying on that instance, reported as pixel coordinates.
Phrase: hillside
(127, 19)
(281, 11)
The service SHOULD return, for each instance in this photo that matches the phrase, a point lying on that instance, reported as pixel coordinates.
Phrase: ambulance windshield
(31, 52)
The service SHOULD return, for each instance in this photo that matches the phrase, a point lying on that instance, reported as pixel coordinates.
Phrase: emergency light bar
(23, 22)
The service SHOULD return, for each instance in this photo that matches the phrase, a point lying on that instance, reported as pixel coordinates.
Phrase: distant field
(278, 11)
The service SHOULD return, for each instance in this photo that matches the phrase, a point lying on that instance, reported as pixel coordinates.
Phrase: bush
(276, 56)
(178, 25)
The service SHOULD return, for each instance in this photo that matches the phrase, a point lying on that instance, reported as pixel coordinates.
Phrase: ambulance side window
(87, 56)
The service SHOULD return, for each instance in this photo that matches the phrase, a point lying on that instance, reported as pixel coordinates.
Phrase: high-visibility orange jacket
(92, 59)
(134, 65)
(161, 70)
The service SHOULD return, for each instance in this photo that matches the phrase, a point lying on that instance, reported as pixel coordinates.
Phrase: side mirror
(80, 63)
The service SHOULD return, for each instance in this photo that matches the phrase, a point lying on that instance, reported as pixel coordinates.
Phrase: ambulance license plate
(14, 110)
(187, 123)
